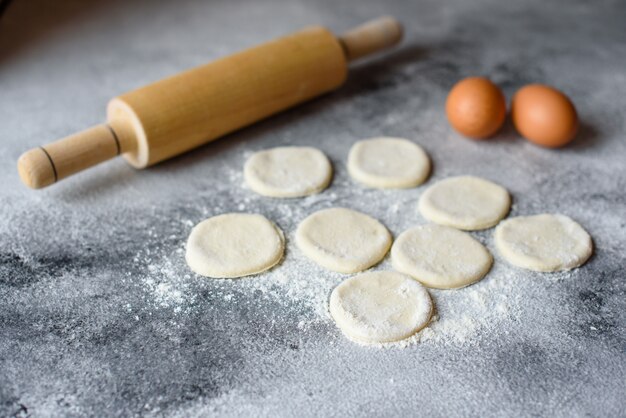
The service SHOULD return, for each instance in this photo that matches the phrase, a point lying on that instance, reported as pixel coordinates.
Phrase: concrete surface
(99, 316)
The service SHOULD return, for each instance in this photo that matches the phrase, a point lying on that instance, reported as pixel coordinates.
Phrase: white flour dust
(297, 284)
(460, 316)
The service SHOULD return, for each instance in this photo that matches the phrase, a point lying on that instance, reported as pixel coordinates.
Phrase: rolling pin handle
(43, 166)
(371, 37)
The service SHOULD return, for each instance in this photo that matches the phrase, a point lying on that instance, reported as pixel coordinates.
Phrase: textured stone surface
(100, 316)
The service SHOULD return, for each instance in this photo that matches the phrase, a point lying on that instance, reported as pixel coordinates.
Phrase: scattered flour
(462, 316)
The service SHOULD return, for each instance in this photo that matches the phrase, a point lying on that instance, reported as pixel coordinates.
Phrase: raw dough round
(388, 163)
(440, 256)
(288, 172)
(465, 202)
(380, 307)
(543, 242)
(343, 240)
(234, 245)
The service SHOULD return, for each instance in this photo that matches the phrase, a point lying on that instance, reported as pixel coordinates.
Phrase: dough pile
(543, 242)
(440, 256)
(465, 202)
(234, 245)
(380, 307)
(343, 240)
(388, 163)
(288, 172)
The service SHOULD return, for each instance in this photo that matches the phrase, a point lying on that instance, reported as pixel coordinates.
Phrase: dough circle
(288, 172)
(343, 240)
(440, 256)
(387, 163)
(234, 245)
(543, 242)
(465, 202)
(380, 307)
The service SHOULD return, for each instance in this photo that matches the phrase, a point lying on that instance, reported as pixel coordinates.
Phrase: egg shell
(544, 115)
(476, 107)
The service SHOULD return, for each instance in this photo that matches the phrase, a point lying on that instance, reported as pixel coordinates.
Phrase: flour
(167, 291)
(461, 315)
(300, 288)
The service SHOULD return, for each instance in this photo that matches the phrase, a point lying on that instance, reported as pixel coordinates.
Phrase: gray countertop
(99, 314)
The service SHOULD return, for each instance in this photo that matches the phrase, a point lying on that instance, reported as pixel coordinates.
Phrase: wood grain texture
(46, 165)
(371, 37)
(194, 107)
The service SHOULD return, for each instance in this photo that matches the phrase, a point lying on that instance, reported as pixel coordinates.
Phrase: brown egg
(476, 107)
(544, 115)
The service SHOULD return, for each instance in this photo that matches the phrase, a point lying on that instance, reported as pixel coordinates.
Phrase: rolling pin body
(189, 109)
(179, 113)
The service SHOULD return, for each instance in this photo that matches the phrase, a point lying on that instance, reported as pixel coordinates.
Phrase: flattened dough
(288, 172)
(343, 240)
(440, 256)
(465, 202)
(380, 307)
(387, 163)
(543, 242)
(234, 245)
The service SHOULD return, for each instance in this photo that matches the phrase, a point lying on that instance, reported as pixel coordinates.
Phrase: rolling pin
(182, 112)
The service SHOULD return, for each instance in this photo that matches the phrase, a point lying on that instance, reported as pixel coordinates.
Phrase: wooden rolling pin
(179, 113)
